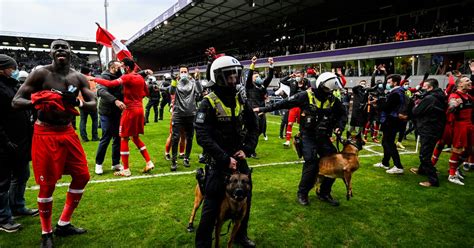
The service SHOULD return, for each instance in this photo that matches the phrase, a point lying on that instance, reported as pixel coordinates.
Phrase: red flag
(105, 38)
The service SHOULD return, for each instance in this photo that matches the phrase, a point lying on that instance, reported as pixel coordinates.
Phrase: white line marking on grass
(111, 180)
(372, 151)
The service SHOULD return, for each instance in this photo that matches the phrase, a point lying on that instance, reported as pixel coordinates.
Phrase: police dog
(198, 197)
(234, 205)
(342, 164)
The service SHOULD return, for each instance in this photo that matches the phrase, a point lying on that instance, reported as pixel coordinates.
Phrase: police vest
(224, 113)
(318, 117)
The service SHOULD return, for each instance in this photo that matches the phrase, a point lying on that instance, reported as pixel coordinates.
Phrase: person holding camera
(153, 98)
(321, 114)
(430, 118)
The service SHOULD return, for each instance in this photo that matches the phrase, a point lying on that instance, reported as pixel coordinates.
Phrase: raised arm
(107, 83)
(269, 78)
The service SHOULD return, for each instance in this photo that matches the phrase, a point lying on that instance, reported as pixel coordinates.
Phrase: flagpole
(106, 4)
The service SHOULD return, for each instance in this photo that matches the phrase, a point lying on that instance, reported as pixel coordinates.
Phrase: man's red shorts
(132, 122)
(56, 150)
(294, 115)
(463, 135)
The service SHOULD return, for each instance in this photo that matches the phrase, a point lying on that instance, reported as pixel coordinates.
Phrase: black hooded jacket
(108, 96)
(15, 125)
(430, 113)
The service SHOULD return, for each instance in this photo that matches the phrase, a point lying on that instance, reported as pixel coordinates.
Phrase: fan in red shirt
(460, 104)
(133, 120)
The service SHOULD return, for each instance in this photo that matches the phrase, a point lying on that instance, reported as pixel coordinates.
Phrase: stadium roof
(193, 21)
(192, 25)
(43, 41)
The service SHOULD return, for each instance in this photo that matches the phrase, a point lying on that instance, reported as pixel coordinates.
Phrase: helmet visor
(229, 76)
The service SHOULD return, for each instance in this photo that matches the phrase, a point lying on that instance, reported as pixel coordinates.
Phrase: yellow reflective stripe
(319, 104)
(219, 106)
(174, 82)
(211, 101)
(310, 96)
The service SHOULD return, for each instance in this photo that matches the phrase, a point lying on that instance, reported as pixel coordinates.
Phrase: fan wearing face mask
(256, 89)
(185, 91)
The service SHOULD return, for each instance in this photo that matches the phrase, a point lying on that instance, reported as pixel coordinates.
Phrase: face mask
(122, 71)
(183, 76)
(423, 91)
(15, 74)
(405, 87)
(388, 87)
(298, 79)
(259, 81)
(380, 86)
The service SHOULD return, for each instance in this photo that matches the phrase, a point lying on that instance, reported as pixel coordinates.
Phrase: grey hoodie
(186, 92)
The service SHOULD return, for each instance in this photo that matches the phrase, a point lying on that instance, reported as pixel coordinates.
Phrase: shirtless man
(56, 149)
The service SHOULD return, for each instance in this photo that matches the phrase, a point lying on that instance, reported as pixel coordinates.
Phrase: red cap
(310, 71)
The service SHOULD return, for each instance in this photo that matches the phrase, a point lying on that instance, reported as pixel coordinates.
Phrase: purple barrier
(365, 49)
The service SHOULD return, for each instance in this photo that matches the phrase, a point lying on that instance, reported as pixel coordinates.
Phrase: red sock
(141, 146)
(289, 129)
(124, 153)
(376, 131)
(437, 151)
(72, 200)
(74, 194)
(45, 207)
(453, 163)
(366, 129)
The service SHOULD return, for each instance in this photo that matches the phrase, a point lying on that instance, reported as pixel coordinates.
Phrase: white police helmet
(151, 79)
(327, 81)
(167, 76)
(226, 71)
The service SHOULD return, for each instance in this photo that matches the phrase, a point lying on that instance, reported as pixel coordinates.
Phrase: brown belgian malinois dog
(233, 206)
(342, 164)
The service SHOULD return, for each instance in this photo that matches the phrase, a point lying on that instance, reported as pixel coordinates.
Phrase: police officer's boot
(174, 165)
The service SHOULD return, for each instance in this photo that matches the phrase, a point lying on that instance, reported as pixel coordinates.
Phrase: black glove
(70, 98)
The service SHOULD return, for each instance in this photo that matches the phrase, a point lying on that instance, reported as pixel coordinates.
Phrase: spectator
(359, 104)
(391, 124)
(110, 110)
(428, 116)
(186, 90)
(15, 150)
(84, 113)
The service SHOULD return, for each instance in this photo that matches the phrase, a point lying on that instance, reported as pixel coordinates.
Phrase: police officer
(226, 129)
(153, 98)
(321, 113)
(165, 93)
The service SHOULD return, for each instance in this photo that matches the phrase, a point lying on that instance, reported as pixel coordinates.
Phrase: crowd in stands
(27, 60)
(322, 42)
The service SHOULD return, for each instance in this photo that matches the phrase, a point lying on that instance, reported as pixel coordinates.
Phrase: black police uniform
(165, 96)
(320, 114)
(224, 125)
(153, 101)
